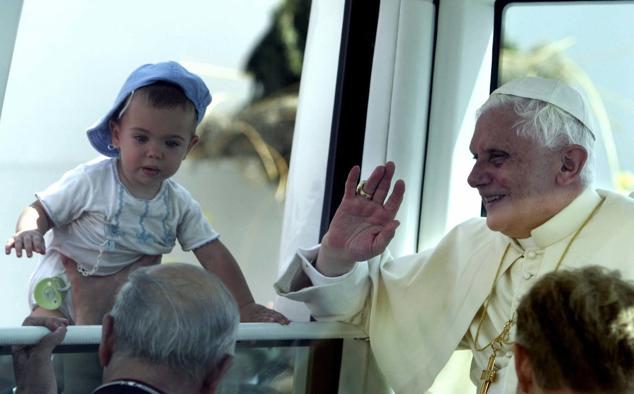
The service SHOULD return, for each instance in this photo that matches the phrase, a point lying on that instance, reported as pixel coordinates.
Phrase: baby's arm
(32, 224)
(217, 259)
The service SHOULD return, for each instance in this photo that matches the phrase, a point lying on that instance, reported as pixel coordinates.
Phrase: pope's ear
(573, 160)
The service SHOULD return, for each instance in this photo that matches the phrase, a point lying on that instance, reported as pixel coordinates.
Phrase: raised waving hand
(364, 223)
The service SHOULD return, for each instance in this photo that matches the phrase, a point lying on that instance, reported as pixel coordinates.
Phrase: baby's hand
(256, 313)
(28, 240)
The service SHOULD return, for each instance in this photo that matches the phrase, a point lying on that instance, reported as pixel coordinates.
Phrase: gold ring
(362, 192)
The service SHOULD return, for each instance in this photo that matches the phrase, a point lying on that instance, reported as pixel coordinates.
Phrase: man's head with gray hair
(177, 317)
(533, 149)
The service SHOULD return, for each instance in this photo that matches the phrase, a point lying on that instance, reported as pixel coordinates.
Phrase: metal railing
(310, 357)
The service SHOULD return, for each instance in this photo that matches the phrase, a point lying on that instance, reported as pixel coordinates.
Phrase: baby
(108, 213)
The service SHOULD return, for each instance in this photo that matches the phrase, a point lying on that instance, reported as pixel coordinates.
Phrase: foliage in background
(264, 128)
(276, 61)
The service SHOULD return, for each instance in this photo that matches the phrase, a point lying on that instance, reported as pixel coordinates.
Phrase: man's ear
(107, 340)
(524, 370)
(213, 378)
(573, 160)
(115, 129)
(192, 143)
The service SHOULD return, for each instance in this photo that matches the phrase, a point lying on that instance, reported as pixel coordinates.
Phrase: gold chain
(488, 374)
(488, 299)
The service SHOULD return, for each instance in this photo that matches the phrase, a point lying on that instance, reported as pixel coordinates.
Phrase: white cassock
(418, 309)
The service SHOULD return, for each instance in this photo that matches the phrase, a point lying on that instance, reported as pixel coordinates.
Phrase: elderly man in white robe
(532, 145)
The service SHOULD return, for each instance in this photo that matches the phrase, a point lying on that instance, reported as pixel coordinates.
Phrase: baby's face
(152, 143)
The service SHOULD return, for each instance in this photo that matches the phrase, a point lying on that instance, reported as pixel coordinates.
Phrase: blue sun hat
(195, 90)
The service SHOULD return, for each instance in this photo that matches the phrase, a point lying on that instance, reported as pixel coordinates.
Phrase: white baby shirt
(104, 228)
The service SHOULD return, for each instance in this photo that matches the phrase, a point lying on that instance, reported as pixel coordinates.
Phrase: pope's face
(515, 175)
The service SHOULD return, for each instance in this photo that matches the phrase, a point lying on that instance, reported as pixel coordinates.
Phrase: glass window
(268, 360)
(72, 56)
(590, 47)
(258, 367)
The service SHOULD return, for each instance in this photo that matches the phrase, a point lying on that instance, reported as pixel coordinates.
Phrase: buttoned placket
(527, 268)
(524, 273)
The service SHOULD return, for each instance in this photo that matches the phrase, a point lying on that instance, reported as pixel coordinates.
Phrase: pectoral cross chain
(489, 373)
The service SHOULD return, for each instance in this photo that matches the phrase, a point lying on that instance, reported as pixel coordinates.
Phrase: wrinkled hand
(32, 365)
(256, 313)
(361, 227)
(93, 296)
(28, 241)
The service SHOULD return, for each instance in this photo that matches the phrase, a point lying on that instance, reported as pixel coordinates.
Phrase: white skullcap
(554, 92)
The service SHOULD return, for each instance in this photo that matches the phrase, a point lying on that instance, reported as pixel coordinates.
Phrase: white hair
(177, 315)
(549, 125)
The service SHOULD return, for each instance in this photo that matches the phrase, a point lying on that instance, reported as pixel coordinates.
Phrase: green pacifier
(49, 292)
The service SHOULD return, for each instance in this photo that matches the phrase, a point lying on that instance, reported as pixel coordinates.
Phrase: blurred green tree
(263, 129)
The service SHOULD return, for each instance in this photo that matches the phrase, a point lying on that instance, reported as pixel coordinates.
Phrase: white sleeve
(337, 298)
(65, 200)
(194, 229)
(308, 257)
